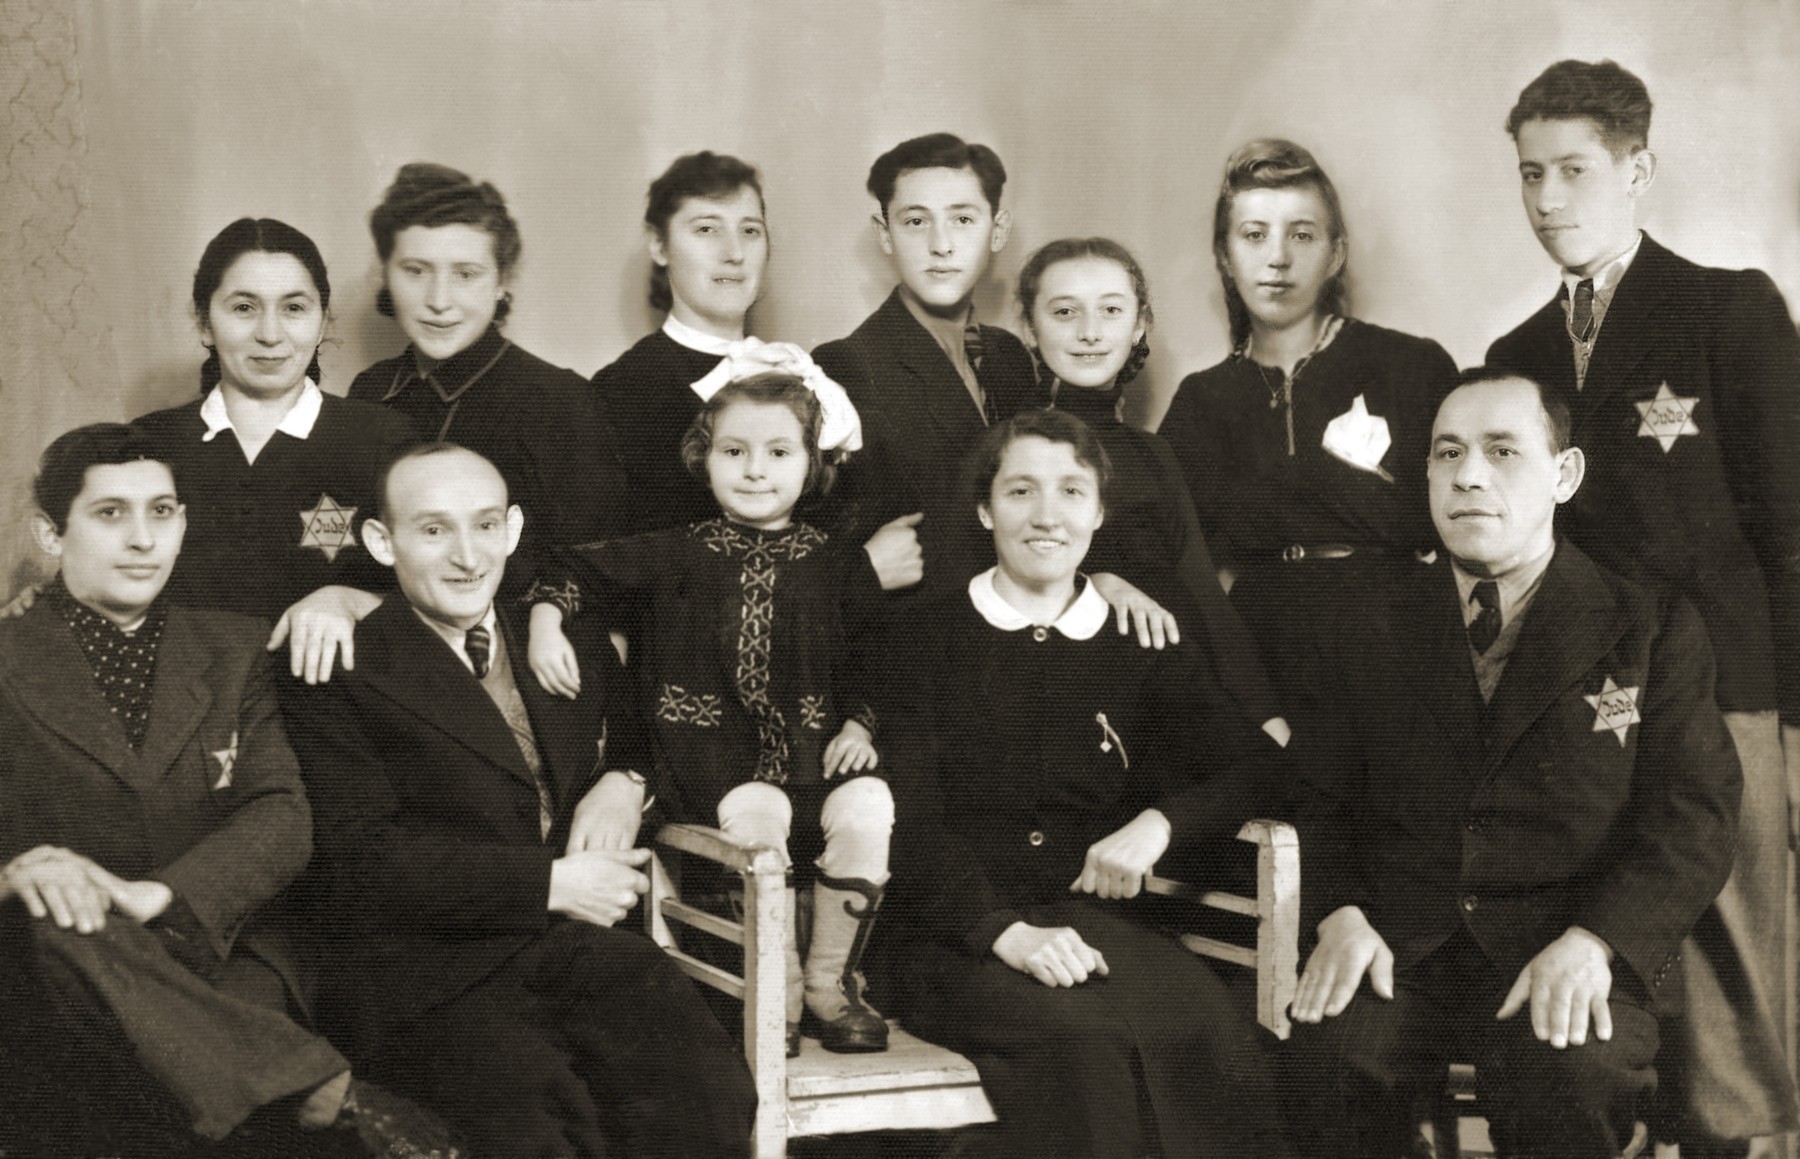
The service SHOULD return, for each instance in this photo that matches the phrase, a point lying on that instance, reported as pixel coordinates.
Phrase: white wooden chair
(913, 1084)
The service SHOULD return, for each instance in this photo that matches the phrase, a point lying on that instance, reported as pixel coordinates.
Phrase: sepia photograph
(921, 579)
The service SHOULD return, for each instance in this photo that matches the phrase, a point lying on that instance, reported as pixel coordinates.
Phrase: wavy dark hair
(427, 194)
(937, 151)
(1272, 163)
(702, 174)
(63, 467)
(1072, 248)
(1059, 426)
(1614, 99)
(254, 235)
(772, 386)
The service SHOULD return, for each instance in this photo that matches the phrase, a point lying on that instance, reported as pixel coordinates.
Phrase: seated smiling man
(1521, 797)
(469, 822)
(150, 810)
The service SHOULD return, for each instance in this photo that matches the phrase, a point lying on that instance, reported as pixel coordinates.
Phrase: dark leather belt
(1296, 552)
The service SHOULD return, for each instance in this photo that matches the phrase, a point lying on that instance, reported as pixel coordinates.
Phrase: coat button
(1469, 903)
(1036, 838)
(1040, 634)
(1476, 824)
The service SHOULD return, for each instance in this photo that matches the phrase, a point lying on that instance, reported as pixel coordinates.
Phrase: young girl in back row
(1086, 305)
(748, 678)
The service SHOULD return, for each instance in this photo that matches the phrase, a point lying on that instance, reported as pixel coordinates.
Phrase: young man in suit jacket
(1682, 383)
(927, 378)
(150, 812)
(480, 836)
(1520, 797)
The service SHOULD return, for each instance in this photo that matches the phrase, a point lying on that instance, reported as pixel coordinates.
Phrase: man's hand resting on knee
(1568, 982)
(1348, 948)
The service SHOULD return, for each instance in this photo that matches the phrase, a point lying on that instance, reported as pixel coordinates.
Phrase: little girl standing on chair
(750, 684)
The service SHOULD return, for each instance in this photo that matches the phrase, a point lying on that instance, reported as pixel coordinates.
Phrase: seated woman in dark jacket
(1044, 765)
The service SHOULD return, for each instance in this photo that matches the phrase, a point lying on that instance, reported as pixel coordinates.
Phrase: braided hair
(1272, 163)
(254, 235)
(1072, 248)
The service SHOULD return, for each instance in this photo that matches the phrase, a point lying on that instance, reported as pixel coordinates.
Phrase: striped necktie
(974, 348)
(1581, 311)
(1484, 629)
(479, 646)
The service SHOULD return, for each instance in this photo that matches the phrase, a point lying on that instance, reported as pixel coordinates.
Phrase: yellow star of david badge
(227, 758)
(328, 527)
(1667, 417)
(1615, 709)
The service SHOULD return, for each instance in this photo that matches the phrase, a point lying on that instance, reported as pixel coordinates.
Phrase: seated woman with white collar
(1043, 764)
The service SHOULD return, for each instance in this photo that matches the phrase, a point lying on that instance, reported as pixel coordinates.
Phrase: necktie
(1581, 312)
(973, 349)
(1484, 629)
(479, 647)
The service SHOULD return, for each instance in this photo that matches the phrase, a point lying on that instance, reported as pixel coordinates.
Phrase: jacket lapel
(941, 390)
(182, 696)
(55, 684)
(1441, 676)
(1629, 329)
(1570, 624)
(415, 668)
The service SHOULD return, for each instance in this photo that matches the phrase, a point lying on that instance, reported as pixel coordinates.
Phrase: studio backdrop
(133, 131)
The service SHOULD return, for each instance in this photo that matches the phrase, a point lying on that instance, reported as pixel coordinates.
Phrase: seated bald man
(478, 967)
(150, 813)
(1521, 796)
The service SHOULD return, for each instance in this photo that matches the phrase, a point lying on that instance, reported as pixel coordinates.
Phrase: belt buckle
(1293, 553)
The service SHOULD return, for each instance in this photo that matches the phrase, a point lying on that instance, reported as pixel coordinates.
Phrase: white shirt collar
(693, 339)
(455, 636)
(1607, 279)
(1081, 620)
(298, 421)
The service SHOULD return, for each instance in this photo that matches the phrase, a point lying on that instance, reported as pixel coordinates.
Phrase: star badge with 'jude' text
(227, 758)
(1615, 709)
(328, 527)
(1666, 417)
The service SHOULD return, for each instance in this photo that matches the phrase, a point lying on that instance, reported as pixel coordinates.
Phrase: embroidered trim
(726, 538)
(865, 716)
(677, 705)
(756, 623)
(812, 713)
(565, 595)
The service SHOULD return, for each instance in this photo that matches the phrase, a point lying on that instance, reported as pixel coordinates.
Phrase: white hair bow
(841, 428)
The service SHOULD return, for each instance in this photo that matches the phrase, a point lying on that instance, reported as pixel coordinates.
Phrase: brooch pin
(1109, 738)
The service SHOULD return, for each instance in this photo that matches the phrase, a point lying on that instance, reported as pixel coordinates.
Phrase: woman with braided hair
(449, 249)
(1086, 305)
(1304, 451)
(275, 472)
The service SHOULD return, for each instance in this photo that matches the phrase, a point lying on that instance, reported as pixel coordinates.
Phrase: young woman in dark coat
(1304, 450)
(449, 250)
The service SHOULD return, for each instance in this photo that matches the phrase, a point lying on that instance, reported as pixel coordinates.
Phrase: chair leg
(1446, 1130)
